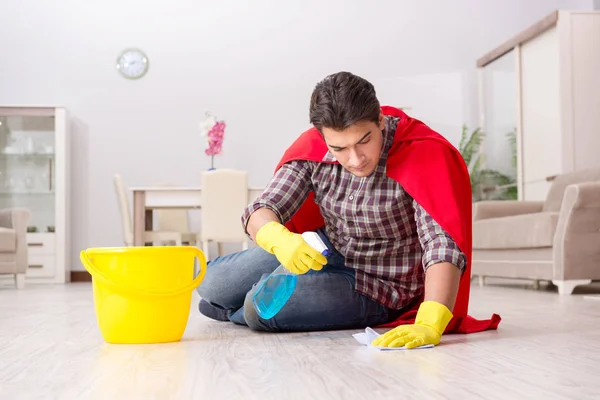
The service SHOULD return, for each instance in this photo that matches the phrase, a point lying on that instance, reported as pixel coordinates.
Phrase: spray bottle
(275, 291)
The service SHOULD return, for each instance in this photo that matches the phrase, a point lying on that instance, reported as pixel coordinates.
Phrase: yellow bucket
(143, 294)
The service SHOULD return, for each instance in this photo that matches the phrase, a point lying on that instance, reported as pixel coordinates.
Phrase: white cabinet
(34, 173)
(556, 71)
(42, 255)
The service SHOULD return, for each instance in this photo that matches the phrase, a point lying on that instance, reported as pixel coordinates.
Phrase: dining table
(146, 199)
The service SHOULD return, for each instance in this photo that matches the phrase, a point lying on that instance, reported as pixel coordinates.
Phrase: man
(389, 197)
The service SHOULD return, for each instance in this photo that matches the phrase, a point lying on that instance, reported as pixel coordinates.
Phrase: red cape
(432, 172)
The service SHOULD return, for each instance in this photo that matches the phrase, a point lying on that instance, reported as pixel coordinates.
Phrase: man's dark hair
(341, 100)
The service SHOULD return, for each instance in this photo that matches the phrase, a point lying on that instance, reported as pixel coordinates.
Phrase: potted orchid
(214, 131)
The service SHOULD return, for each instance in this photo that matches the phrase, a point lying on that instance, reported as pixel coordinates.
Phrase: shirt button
(351, 197)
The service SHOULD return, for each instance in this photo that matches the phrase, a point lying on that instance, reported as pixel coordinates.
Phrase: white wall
(253, 63)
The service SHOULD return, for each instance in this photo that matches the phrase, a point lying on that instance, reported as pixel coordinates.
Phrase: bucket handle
(97, 274)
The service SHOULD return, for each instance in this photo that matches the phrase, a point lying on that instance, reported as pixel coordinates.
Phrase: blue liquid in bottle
(277, 289)
(274, 292)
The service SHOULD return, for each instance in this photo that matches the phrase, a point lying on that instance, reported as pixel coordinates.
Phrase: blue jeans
(322, 300)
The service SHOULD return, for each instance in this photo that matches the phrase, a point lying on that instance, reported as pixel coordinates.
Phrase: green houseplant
(487, 184)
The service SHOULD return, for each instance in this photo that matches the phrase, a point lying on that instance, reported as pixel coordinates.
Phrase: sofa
(555, 240)
(13, 243)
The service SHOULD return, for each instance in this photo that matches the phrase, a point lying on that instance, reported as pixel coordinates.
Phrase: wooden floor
(547, 346)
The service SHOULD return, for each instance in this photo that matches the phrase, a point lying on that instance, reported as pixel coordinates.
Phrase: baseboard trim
(80, 276)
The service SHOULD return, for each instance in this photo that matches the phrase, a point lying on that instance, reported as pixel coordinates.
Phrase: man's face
(358, 147)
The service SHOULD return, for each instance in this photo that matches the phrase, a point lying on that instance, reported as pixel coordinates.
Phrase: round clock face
(132, 63)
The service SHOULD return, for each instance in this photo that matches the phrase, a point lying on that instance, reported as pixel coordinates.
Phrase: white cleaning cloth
(369, 335)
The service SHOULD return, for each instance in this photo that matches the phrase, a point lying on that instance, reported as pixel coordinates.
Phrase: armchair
(13, 243)
(556, 240)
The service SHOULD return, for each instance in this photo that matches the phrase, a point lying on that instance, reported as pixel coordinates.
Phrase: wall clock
(132, 63)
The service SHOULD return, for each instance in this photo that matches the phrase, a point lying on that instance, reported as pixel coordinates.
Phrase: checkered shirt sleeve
(437, 245)
(285, 193)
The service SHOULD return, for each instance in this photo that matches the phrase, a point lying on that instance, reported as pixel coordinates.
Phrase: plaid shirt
(385, 235)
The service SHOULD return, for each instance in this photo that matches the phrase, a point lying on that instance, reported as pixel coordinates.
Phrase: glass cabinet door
(27, 167)
(500, 96)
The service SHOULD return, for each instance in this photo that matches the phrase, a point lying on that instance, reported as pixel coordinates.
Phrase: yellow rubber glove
(430, 323)
(291, 249)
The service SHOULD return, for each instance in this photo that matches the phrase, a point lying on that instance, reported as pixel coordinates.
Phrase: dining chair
(224, 197)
